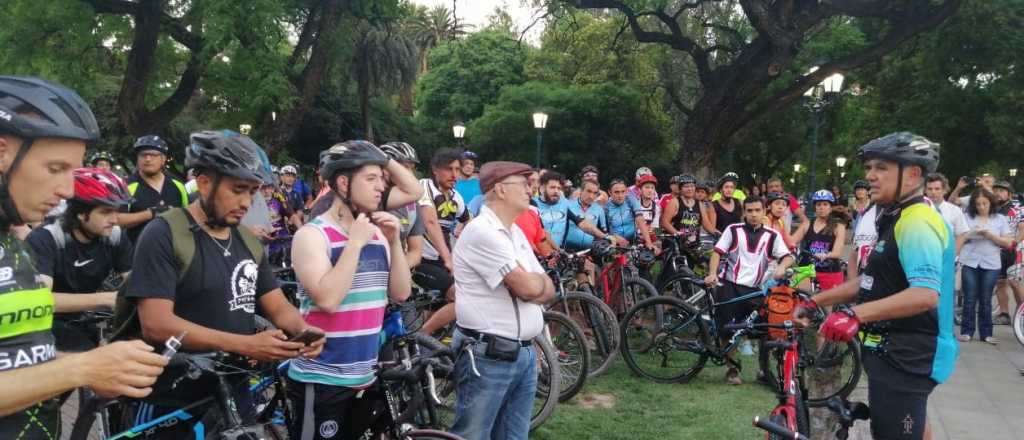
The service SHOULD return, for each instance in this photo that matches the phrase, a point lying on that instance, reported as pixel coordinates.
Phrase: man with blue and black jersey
(624, 215)
(904, 298)
(555, 213)
(585, 206)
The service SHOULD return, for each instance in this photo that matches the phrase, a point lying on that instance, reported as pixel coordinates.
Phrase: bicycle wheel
(663, 340)
(599, 325)
(90, 422)
(571, 349)
(1018, 324)
(830, 368)
(681, 286)
(635, 290)
(548, 378)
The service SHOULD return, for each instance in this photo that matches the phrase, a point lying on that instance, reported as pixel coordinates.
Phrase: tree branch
(113, 6)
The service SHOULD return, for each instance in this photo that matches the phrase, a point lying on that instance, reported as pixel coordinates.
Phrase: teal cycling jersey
(556, 217)
(576, 238)
(621, 218)
(26, 339)
(915, 248)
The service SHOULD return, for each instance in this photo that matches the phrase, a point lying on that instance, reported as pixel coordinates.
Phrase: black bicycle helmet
(728, 177)
(904, 148)
(226, 152)
(1003, 184)
(400, 151)
(773, 196)
(470, 155)
(99, 155)
(32, 108)
(151, 142)
(589, 169)
(685, 179)
(861, 184)
(349, 155)
(601, 248)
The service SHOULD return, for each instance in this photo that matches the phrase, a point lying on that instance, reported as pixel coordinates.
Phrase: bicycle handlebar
(785, 325)
(778, 430)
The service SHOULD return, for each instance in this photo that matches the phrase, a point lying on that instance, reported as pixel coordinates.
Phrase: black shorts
(898, 400)
(733, 312)
(337, 413)
(1006, 259)
(432, 275)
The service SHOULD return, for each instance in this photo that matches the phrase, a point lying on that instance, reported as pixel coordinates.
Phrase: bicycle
(90, 418)
(595, 318)
(679, 259)
(571, 350)
(619, 282)
(848, 412)
(791, 412)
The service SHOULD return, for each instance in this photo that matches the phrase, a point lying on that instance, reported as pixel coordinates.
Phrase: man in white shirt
(500, 289)
(936, 186)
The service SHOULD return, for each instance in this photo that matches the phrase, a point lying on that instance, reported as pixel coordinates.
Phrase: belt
(485, 337)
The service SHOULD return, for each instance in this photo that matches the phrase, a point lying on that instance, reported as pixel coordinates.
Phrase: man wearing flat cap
(500, 289)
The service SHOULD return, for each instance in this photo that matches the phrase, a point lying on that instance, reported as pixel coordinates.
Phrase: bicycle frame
(801, 273)
(789, 382)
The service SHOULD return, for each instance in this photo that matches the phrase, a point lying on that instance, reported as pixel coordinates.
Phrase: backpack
(183, 240)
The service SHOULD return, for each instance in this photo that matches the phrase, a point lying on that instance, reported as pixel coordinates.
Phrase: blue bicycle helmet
(823, 196)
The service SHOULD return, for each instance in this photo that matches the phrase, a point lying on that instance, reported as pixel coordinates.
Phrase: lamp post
(816, 99)
(459, 131)
(245, 129)
(840, 164)
(540, 121)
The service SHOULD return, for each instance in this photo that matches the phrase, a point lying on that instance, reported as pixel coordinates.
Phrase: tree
(382, 60)
(739, 65)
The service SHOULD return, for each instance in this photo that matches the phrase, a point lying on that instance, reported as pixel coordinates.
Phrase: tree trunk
(308, 85)
(405, 100)
(364, 108)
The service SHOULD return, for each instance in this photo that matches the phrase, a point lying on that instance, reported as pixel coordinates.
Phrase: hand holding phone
(307, 336)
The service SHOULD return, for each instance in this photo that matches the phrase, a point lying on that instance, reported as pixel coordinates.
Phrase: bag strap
(58, 234)
(252, 242)
(182, 238)
(182, 191)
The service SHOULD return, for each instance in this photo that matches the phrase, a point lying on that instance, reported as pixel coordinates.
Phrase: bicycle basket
(780, 304)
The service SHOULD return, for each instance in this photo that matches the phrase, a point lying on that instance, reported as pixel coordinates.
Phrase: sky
(475, 12)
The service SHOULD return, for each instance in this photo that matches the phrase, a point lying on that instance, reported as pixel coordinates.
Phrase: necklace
(226, 249)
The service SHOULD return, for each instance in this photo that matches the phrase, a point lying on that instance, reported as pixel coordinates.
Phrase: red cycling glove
(841, 326)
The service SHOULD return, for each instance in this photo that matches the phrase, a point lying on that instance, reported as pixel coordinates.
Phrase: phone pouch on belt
(502, 349)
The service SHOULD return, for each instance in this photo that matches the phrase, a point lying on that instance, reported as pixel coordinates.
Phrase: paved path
(983, 400)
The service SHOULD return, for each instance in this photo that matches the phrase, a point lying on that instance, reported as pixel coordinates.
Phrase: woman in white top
(988, 233)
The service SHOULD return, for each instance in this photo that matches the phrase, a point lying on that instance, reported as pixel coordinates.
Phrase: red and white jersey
(747, 252)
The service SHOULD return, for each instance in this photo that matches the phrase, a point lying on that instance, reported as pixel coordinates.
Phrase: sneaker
(963, 338)
(732, 377)
(992, 340)
(1002, 319)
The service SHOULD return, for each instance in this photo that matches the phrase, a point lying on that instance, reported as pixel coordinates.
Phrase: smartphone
(307, 336)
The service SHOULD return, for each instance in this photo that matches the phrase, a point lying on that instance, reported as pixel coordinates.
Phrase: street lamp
(540, 121)
(840, 161)
(1013, 172)
(796, 168)
(459, 131)
(244, 129)
(816, 99)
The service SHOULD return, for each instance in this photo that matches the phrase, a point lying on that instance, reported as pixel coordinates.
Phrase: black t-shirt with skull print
(218, 292)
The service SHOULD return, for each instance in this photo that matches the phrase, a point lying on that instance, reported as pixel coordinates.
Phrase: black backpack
(183, 238)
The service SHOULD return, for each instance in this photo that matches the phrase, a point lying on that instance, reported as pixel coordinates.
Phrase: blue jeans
(977, 285)
(498, 404)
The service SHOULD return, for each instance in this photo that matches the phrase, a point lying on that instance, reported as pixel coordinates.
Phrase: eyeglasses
(525, 184)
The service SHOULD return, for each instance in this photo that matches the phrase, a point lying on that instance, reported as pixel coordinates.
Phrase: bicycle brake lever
(432, 385)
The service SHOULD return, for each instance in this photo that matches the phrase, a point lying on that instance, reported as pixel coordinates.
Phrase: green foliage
(602, 124)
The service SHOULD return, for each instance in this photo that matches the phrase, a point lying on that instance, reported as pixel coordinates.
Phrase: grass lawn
(705, 408)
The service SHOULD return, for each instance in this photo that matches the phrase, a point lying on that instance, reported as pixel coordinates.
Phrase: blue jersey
(621, 219)
(576, 239)
(915, 248)
(556, 218)
(468, 188)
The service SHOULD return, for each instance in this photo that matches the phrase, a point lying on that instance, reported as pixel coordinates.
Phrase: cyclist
(861, 199)
(283, 220)
(76, 254)
(449, 216)
(556, 213)
(726, 209)
(635, 189)
(409, 215)
(736, 192)
(778, 211)
(349, 261)
(216, 297)
(44, 130)
(468, 182)
(684, 214)
(824, 238)
(585, 207)
(648, 202)
(747, 249)
(624, 217)
(294, 190)
(905, 295)
(590, 173)
(100, 159)
(673, 188)
(154, 191)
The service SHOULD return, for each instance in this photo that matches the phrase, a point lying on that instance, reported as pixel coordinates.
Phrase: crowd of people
(196, 255)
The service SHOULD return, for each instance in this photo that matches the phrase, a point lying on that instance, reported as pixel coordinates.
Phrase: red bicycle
(619, 282)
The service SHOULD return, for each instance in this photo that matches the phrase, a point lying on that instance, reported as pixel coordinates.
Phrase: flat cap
(496, 171)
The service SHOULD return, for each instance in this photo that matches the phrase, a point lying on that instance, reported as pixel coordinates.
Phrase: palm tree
(431, 27)
(382, 60)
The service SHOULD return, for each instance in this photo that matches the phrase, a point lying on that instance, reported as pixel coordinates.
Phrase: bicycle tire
(573, 355)
(635, 290)
(1018, 324)
(681, 286)
(86, 422)
(548, 378)
(595, 317)
(803, 420)
(429, 434)
(660, 327)
(815, 359)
